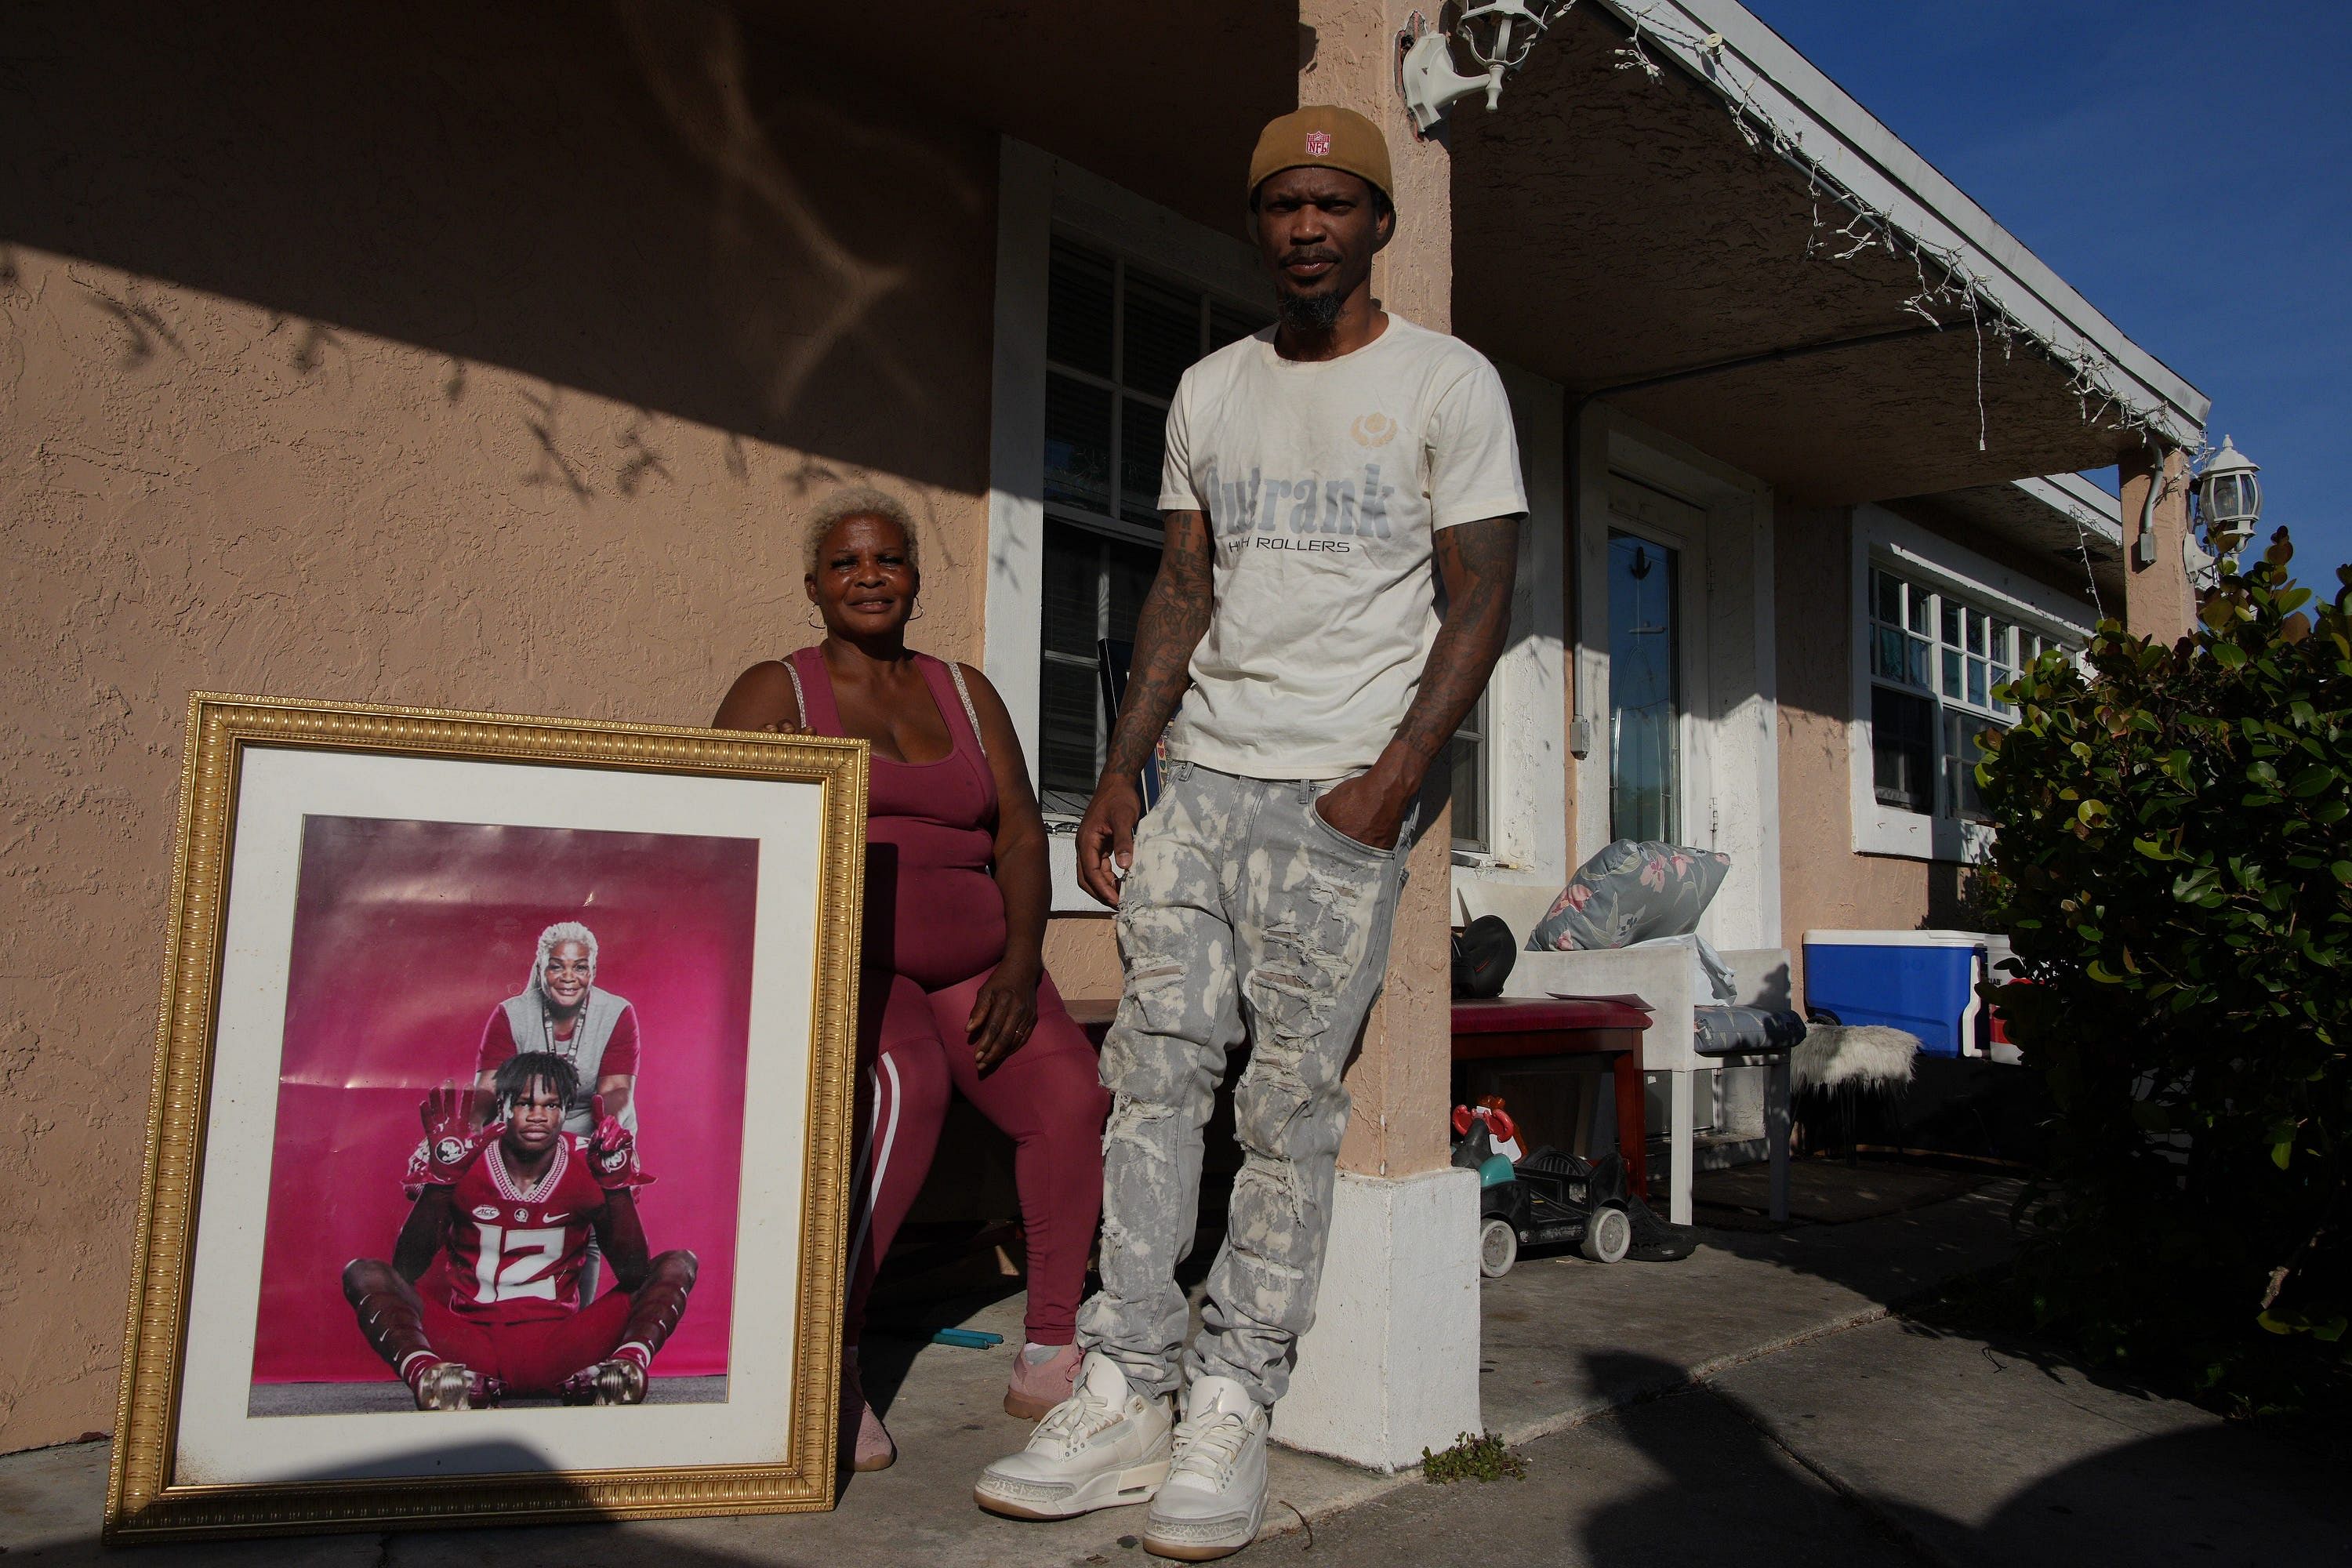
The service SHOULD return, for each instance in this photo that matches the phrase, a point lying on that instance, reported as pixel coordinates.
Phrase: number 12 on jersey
(517, 1265)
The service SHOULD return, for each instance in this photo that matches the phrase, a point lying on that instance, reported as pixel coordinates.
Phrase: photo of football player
(513, 1205)
(563, 1011)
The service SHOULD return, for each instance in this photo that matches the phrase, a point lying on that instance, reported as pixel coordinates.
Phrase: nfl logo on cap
(1321, 136)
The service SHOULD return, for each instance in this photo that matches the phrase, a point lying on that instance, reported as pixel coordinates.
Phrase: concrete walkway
(1795, 1426)
(1884, 1447)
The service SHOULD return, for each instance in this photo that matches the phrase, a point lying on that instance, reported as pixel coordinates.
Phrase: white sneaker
(1214, 1497)
(1104, 1446)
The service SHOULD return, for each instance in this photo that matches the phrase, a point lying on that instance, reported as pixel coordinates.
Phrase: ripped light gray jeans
(1245, 913)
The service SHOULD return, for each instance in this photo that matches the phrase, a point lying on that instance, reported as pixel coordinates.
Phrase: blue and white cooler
(1923, 981)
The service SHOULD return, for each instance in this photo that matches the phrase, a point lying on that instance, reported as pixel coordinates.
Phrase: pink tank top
(933, 911)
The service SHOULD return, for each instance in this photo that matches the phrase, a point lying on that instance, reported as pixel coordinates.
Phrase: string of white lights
(1954, 284)
(2083, 542)
(1945, 282)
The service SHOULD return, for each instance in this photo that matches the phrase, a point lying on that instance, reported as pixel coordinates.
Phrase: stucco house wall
(313, 389)
(493, 363)
(1824, 883)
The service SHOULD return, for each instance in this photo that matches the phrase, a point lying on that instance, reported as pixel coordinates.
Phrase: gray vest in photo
(534, 1031)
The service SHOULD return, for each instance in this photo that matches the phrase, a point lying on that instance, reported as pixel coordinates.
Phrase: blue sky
(2187, 167)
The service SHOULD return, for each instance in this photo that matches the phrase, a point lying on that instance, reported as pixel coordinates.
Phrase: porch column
(2157, 599)
(1392, 1364)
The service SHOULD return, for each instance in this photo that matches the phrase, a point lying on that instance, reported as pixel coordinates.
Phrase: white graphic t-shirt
(1322, 482)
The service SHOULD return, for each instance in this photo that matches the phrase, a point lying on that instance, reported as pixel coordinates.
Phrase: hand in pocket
(1360, 808)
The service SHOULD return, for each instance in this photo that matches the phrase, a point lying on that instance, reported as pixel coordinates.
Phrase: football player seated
(513, 1205)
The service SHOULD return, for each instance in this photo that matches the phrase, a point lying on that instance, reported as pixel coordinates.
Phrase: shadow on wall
(647, 202)
(1953, 900)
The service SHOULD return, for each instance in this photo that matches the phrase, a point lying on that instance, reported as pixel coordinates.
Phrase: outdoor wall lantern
(2228, 499)
(1425, 73)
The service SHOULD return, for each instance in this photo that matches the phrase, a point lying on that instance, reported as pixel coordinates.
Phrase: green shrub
(2175, 867)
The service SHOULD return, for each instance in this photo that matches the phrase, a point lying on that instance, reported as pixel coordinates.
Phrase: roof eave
(2081, 501)
(1847, 144)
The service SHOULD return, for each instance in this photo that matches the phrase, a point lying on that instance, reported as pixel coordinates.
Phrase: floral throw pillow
(1631, 892)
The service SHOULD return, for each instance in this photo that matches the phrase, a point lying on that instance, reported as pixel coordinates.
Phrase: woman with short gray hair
(563, 1011)
(954, 993)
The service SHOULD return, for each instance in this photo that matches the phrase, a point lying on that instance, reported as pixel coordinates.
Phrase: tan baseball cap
(1322, 136)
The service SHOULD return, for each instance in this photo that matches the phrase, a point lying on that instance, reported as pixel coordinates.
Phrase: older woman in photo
(564, 1013)
(955, 991)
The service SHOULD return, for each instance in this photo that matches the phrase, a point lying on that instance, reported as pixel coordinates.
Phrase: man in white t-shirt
(1323, 478)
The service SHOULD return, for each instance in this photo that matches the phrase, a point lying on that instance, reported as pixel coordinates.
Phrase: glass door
(1645, 690)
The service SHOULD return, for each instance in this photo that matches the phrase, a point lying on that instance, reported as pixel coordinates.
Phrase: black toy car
(1549, 1198)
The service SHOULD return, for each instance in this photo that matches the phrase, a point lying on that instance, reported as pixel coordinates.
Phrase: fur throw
(1861, 1056)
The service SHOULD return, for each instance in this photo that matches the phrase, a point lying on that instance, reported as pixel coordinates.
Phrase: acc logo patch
(1319, 144)
(450, 1151)
(485, 1211)
(1374, 429)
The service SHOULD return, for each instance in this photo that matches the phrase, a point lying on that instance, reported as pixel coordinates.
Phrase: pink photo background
(406, 934)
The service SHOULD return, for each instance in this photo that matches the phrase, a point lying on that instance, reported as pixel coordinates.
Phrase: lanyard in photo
(568, 1049)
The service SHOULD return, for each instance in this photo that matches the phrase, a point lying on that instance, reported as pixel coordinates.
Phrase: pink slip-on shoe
(1039, 1385)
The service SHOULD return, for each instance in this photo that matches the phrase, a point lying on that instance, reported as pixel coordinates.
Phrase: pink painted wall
(1401, 1076)
(491, 362)
(1824, 885)
(2158, 601)
(1082, 953)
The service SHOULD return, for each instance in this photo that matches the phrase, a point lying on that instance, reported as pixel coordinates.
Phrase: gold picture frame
(152, 1495)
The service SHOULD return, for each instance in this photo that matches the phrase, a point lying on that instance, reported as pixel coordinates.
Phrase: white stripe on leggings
(858, 1183)
(879, 1160)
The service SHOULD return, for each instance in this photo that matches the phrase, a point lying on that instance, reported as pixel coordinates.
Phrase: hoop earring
(814, 623)
(918, 614)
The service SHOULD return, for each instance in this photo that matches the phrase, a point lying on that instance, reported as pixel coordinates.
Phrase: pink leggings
(1048, 1097)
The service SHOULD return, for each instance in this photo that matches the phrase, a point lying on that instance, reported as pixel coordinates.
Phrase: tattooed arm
(1476, 562)
(1174, 618)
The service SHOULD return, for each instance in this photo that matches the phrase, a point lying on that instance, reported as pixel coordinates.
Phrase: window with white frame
(1466, 758)
(1936, 660)
(1117, 337)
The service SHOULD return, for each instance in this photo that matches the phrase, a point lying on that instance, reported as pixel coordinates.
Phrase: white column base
(1392, 1364)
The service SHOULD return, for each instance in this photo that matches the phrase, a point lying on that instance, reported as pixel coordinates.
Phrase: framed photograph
(497, 1160)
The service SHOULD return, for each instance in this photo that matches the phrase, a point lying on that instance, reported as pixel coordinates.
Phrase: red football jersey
(516, 1250)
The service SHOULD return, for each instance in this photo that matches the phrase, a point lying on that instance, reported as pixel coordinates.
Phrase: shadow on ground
(1935, 1469)
(1871, 1450)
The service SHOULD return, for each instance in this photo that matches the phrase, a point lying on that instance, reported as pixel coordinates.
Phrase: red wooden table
(1549, 1026)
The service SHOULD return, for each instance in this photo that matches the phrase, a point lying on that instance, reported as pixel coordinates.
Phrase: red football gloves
(612, 1151)
(453, 1133)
